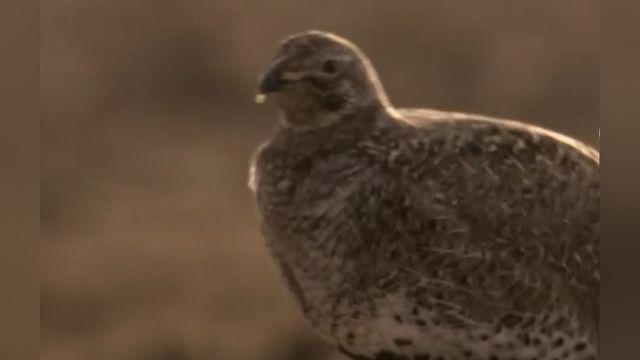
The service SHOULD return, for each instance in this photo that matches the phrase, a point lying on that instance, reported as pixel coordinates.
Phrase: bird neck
(362, 115)
(377, 92)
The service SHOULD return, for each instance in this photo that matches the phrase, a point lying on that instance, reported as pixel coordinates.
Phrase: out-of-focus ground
(150, 245)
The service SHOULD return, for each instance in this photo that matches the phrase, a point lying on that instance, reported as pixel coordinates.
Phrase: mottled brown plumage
(421, 234)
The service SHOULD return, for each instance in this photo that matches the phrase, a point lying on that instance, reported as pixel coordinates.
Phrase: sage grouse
(422, 234)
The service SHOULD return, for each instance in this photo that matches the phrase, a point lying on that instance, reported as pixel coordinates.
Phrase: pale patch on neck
(318, 122)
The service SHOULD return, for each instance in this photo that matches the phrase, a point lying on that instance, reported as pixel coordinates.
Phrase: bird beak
(272, 81)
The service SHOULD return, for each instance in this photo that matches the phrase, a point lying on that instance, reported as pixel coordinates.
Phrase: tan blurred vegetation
(150, 245)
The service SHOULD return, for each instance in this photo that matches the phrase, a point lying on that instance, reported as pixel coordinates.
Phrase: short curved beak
(271, 81)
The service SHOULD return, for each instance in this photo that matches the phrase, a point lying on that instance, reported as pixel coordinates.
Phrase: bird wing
(496, 216)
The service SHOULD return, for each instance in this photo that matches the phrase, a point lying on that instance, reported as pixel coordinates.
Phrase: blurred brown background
(150, 247)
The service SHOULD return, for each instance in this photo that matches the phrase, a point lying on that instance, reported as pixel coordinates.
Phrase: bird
(423, 234)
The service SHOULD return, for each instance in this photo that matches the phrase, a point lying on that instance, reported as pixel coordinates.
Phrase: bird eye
(330, 67)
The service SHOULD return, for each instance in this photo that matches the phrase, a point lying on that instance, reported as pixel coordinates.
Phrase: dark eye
(330, 67)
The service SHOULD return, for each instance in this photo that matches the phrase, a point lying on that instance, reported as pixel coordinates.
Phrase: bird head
(317, 78)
